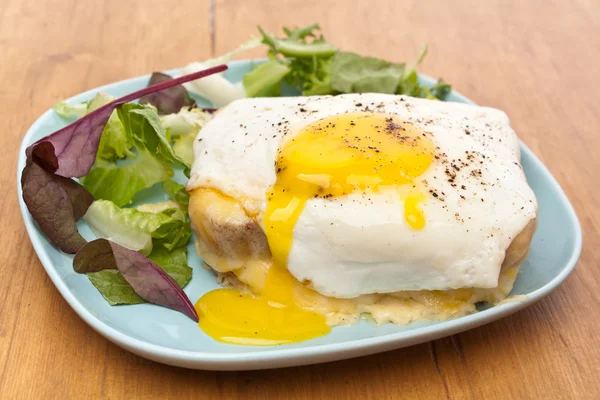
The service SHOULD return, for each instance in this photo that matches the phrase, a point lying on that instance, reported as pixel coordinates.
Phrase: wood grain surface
(537, 60)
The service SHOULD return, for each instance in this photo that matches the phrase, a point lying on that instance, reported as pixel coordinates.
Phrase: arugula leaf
(441, 89)
(265, 79)
(138, 230)
(308, 57)
(297, 45)
(351, 73)
(176, 191)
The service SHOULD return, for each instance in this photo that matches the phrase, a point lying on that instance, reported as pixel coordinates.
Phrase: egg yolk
(340, 155)
(332, 157)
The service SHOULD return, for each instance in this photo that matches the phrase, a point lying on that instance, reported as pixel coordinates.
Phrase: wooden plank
(52, 50)
(535, 60)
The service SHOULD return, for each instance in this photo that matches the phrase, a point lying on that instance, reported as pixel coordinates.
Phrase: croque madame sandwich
(313, 211)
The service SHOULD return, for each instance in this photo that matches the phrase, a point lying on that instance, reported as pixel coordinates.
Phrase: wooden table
(537, 60)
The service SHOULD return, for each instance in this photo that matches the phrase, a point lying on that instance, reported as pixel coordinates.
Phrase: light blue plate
(170, 337)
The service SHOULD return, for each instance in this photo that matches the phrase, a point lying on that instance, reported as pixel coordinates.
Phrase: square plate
(169, 337)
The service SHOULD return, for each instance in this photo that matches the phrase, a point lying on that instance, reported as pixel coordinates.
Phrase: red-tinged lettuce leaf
(167, 101)
(55, 203)
(115, 289)
(146, 278)
(95, 256)
(71, 151)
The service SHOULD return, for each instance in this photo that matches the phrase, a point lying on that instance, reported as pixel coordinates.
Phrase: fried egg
(314, 210)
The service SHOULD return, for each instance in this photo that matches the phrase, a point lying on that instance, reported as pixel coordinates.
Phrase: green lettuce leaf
(120, 184)
(152, 164)
(114, 288)
(174, 263)
(138, 230)
(67, 110)
(185, 121)
(114, 143)
(143, 125)
(183, 146)
(176, 192)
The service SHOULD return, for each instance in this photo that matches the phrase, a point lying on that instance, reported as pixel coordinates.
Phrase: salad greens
(176, 191)
(114, 142)
(151, 164)
(139, 230)
(118, 149)
(149, 281)
(319, 68)
(56, 202)
(265, 79)
(116, 290)
(67, 110)
(170, 100)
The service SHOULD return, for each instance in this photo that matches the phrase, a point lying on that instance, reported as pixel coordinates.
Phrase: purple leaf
(94, 256)
(147, 279)
(55, 203)
(71, 151)
(167, 101)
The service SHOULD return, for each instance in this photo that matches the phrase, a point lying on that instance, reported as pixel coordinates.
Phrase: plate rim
(274, 358)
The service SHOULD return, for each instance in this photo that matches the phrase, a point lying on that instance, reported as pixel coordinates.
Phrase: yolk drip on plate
(332, 157)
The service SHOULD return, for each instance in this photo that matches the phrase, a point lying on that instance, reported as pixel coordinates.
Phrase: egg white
(360, 243)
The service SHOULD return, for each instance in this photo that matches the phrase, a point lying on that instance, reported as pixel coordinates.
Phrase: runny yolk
(332, 157)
